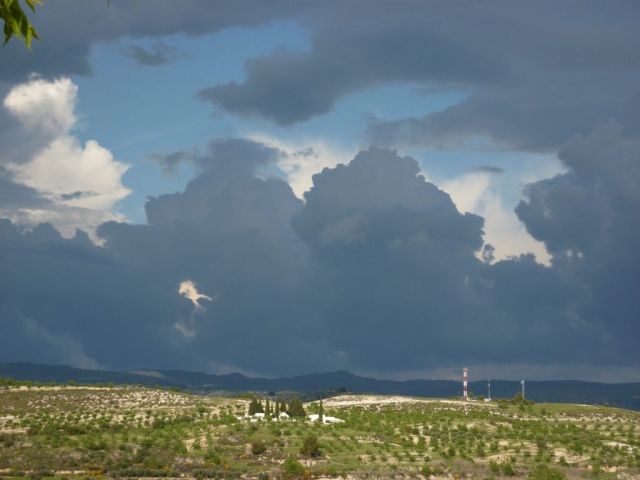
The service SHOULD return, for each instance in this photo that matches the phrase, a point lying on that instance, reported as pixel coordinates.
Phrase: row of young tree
(294, 409)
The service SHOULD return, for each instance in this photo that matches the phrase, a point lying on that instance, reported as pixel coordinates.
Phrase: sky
(394, 188)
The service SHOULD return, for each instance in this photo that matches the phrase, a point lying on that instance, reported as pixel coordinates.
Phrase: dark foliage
(296, 409)
(258, 447)
(310, 446)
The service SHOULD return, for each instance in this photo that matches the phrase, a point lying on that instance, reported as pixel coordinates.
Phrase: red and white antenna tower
(464, 383)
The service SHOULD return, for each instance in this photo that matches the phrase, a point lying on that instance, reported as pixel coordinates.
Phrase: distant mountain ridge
(625, 395)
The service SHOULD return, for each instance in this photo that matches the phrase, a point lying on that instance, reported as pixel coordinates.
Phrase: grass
(81, 432)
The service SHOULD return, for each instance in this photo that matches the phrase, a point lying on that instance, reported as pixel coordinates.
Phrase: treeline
(518, 399)
(317, 395)
(293, 409)
(12, 382)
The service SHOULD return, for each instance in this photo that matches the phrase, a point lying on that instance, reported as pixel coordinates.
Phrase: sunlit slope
(153, 432)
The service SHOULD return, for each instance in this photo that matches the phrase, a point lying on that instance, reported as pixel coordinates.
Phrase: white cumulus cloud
(43, 105)
(82, 183)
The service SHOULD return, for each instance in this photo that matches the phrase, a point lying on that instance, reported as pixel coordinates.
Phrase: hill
(111, 432)
(625, 395)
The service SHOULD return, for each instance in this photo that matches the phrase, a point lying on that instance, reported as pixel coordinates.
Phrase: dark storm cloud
(380, 182)
(489, 169)
(128, 289)
(534, 73)
(391, 255)
(395, 265)
(238, 248)
(82, 295)
(68, 29)
(159, 54)
(588, 220)
(376, 270)
(539, 316)
(230, 233)
(288, 87)
(592, 207)
(526, 118)
(225, 160)
(24, 333)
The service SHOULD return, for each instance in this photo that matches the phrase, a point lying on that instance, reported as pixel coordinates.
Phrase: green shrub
(507, 469)
(310, 446)
(292, 468)
(258, 447)
(544, 472)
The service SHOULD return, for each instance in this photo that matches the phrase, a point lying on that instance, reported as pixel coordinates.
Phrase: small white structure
(325, 419)
(257, 417)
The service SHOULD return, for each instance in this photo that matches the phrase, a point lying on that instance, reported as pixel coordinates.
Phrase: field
(141, 432)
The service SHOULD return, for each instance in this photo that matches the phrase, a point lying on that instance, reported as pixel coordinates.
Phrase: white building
(256, 417)
(325, 419)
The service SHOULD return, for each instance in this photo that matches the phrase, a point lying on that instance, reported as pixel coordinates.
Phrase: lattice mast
(464, 383)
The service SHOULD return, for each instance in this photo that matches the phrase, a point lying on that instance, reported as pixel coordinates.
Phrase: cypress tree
(321, 412)
(254, 407)
(277, 412)
(283, 407)
(267, 410)
(296, 409)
